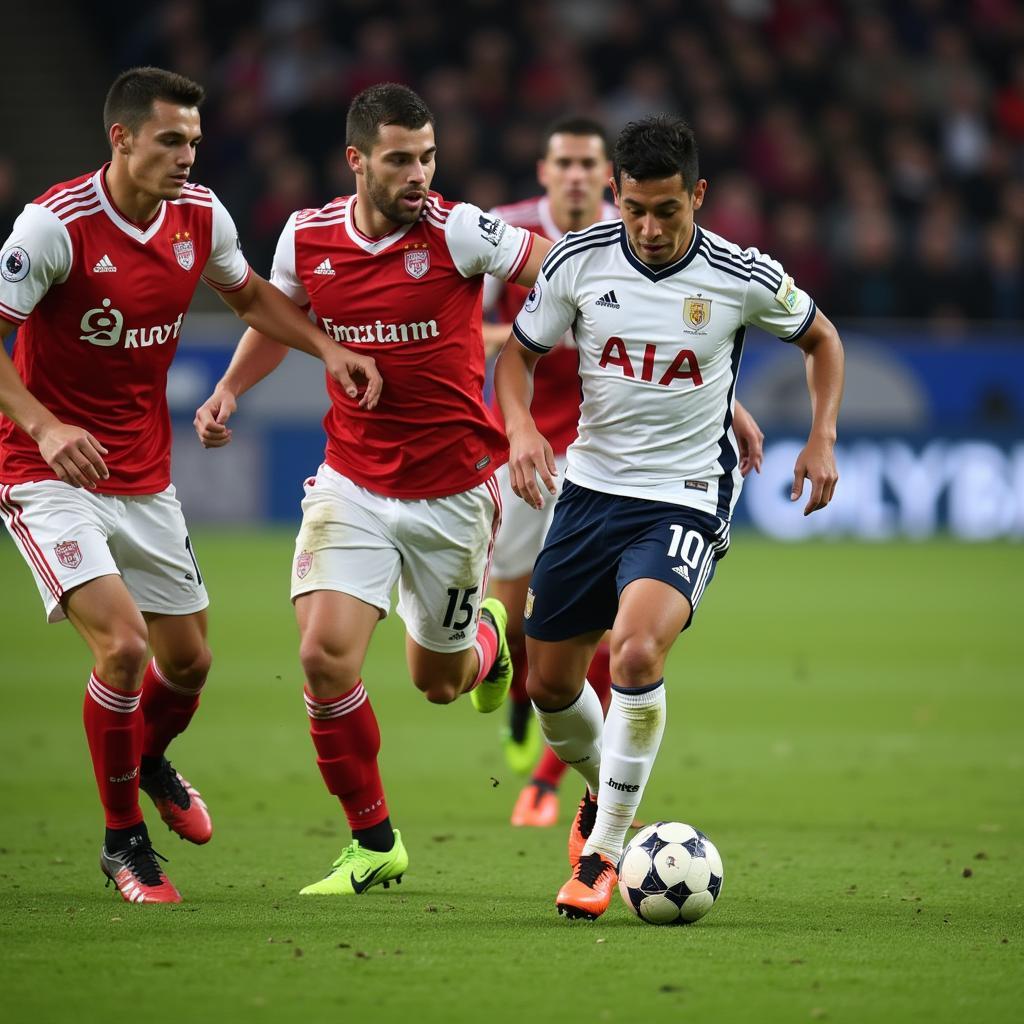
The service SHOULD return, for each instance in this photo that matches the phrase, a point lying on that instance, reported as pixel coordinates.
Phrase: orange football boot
(589, 891)
(536, 806)
(582, 826)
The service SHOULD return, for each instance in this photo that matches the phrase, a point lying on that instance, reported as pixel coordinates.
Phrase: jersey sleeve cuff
(10, 313)
(807, 321)
(527, 342)
(230, 287)
(520, 260)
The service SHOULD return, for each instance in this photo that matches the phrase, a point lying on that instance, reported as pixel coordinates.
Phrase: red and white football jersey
(99, 302)
(556, 386)
(412, 300)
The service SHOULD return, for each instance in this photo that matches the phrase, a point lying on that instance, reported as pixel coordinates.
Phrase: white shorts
(69, 535)
(523, 528)
(438, 550)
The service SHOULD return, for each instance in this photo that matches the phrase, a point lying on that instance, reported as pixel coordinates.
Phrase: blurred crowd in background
(876, 149)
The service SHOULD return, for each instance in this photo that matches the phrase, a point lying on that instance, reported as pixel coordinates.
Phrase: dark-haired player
(574, 171)
(408, 494)
(97, 276)
(653, 477)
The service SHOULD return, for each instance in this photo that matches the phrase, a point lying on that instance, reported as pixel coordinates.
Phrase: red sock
(517, 692)
(347, 741)
(486, 647)
(113, 726)
(599, 675)
(166, 709)
(549, 769)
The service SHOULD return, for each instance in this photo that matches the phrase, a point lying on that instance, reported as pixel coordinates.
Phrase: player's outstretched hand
(817, 464)
(74, 455)
(357, 374)
(750, 439)
(212, 417)
(530, 455)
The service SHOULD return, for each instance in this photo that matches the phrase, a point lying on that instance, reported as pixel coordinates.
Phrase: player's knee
(328, 672)
(440, 692)
(435, 688)
(122, 659)
(550, 692)
(189, 667)
(637, 660)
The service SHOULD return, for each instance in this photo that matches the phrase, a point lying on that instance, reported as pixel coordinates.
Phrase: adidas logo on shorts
(681, 570)
(325, 269)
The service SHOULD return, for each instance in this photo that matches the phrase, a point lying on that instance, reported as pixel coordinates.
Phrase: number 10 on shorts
(460, 611)
(686, 546)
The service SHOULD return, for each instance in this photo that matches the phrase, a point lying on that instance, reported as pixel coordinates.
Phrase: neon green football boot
(493, 688)
(521, 755)
(358, 868)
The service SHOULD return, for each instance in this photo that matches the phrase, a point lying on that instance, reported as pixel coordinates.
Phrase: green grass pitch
(845, 722)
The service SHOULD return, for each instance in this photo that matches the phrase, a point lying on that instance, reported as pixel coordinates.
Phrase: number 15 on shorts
(460, 611)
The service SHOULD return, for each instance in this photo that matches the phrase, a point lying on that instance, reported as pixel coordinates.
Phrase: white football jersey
(659, 354)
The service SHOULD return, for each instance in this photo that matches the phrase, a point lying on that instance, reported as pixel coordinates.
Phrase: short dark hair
(131, 97)
(575, 125)
(386, 103)
(657, 147)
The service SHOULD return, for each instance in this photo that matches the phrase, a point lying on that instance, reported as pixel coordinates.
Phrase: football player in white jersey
(658, 308)
(574, 172)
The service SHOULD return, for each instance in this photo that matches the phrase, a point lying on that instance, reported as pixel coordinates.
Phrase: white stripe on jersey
(658, 367)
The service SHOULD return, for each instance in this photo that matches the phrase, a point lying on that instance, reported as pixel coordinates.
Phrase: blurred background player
(653, 479)
(574, 172)
(406, 495)
(96, 277)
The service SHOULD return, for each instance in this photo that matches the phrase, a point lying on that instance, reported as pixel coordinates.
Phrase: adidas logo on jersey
(104, 265)
(325, 269)
(681, 570)
(609, 300)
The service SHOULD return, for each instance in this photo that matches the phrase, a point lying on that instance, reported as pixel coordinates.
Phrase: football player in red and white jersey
(406, 495)
(96, 277)
(574, 172)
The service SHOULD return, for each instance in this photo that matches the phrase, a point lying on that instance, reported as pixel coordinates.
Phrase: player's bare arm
(256, 356)
(71, 452)
(529, 452)
(265, 309)
(494, 337)
(823, 356)
(750, 439)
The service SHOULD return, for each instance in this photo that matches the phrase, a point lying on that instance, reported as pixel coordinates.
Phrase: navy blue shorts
(598, 543)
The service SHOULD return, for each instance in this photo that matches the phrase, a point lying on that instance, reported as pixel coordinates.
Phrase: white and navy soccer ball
(669, 873)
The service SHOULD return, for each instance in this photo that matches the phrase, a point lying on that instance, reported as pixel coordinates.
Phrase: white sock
(574, 734)
(632, 735)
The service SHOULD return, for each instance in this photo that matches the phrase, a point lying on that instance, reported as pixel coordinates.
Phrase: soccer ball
(669, 873)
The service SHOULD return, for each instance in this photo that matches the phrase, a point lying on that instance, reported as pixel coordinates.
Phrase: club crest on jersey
(303, 564)
(184, 251)
(68, 553)
(417, 262)
(697, 312)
